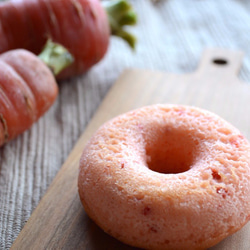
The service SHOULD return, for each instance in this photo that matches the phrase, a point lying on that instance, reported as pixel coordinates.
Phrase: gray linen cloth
(172, 34)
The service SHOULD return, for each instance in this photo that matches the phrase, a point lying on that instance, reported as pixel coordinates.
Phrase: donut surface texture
(167, 177)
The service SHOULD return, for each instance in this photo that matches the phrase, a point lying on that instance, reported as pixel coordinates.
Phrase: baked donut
(167, 177)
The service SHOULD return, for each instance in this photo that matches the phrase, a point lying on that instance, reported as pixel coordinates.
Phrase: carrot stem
(56, 57)
(120, 13)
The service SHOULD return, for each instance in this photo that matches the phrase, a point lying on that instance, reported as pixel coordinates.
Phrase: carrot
(82, 26)
(27, 88)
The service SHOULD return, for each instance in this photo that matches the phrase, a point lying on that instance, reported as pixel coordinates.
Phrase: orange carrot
(27, 87)
(82, 26)
(25, 92)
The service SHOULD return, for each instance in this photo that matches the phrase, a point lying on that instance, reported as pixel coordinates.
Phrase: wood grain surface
(59, 221)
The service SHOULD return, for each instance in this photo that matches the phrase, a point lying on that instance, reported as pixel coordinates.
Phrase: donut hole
(171, 152)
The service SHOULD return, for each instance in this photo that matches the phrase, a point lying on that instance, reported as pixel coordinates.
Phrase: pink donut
(167, 177)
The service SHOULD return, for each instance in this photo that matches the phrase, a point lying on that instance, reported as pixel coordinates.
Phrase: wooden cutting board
(59, 221)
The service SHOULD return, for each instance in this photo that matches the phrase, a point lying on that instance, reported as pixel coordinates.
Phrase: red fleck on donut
(167, 177)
